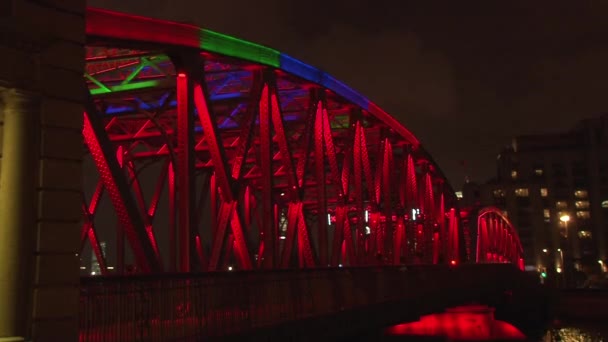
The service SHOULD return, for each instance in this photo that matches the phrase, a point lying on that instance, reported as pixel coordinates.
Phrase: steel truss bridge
(219, 161)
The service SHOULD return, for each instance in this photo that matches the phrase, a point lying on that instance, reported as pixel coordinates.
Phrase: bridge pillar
(41, 95)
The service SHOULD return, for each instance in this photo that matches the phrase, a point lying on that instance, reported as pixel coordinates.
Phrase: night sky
(464, 76)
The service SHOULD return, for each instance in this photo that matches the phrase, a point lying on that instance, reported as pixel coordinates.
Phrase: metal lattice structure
(497, 239)
(217, 153)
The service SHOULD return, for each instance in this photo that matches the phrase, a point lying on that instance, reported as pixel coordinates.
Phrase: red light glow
(470, 323)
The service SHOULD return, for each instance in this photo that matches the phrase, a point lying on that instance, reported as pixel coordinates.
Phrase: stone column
(42, 49)
(17, 204)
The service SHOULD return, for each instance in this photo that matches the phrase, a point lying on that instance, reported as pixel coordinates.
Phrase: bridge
(231, 189)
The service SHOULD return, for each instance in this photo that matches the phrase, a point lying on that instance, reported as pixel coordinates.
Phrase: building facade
(554, 188)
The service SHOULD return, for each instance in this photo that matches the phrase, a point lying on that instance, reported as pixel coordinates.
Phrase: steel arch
(253, 158)
(497, 239)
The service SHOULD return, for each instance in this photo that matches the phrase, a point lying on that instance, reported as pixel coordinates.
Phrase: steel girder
(294, 175)
(497, 240)
(214, 162)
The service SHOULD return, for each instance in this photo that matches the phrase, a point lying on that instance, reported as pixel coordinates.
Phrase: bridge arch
(497, 239)
(215, 153)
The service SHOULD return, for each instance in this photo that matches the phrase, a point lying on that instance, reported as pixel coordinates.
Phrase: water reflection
(575, 334)
(562, 333)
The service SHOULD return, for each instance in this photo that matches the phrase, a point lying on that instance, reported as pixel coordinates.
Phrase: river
(577, 332)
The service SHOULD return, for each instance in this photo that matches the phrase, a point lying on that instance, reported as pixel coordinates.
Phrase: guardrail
(186, 307)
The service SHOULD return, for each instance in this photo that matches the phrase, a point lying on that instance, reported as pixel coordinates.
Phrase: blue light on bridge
(315, 75)
(300, 69)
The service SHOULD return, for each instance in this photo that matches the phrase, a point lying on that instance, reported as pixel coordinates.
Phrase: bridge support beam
(40, 169)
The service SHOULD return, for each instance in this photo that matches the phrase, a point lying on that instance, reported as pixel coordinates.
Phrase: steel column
(117, 187)
(321, 185)
(268, 227)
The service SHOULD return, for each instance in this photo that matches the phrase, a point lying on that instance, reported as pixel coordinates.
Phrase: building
(554, 188)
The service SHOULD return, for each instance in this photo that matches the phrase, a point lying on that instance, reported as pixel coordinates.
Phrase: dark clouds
(464, 76)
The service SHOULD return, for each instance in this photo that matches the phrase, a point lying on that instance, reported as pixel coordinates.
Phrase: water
(560, 332)
(577, 332)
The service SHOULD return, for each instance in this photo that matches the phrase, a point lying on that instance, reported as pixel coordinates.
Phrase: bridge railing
(191, 306)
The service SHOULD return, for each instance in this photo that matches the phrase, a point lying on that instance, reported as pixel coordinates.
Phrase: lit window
(561, 205)
(498, 193)
(605, 204)
(514, 174)
(584, 234)
(538, 172)
(544, 192)
(581, 204)
(547, 215)
(580, 194)
(521, 192)
(583, 214)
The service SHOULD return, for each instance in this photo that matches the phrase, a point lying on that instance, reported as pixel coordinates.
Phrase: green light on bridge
(234, 47)
(125, 87)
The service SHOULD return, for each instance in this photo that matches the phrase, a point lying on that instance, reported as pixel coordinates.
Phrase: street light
(565, 219)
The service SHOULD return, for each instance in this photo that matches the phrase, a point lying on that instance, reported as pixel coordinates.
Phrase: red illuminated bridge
(230, 188)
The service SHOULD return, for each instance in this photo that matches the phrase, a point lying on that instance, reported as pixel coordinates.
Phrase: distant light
(83, 268)
(368, 230)
(339, 265)
(564, 218)
(366, 215)
(229, 268)
(110, 267)
(181, 74)
(93, 273)
(558, 269)
(459, 194)
(414, 214)
(453, 262)
(544, 250)
(559, 249)
(282, 237)
(600, 262)
(329, 219)
(543, 274)
(282, 194)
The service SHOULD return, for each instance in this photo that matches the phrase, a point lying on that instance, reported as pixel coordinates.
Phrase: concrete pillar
(42, 46)
(17, 201)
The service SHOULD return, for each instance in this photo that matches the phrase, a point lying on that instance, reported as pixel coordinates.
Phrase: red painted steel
(185, 168)
(116, 185)
(262, 169)
(497, 239)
